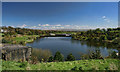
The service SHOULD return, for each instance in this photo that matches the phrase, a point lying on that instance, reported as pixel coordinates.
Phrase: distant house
(68, 34)
(52, 34)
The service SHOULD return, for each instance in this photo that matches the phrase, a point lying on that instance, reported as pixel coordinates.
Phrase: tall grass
(40, 55)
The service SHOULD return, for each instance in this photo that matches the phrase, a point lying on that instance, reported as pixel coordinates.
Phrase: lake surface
(66, 45)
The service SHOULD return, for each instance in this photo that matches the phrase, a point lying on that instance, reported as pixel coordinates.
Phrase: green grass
(107, 64)
(25, 38)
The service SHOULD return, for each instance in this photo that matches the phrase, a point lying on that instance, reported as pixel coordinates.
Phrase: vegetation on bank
(110, 35)
(20, 39)
(92, 64)
(41, 55)
(43, 59)
(23, 35)
(100, 35)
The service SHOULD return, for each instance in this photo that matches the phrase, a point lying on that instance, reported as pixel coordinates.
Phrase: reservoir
(66, 45)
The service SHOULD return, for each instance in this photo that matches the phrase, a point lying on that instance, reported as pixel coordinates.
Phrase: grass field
(26, 39)
(107, 64)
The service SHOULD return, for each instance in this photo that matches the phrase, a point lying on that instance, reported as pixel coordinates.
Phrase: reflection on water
(67, 45)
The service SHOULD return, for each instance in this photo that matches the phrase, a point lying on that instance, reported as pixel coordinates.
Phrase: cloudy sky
(60, 15)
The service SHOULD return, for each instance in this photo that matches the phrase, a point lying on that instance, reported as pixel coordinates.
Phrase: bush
(70, 57)
(80, 68)
(75, 68)
(92, 55)
(4, 41)
(58, 56)
(22, 43)
(113, 55)
(41, 55)
(85, 56)
(51, 59)
(95, 55)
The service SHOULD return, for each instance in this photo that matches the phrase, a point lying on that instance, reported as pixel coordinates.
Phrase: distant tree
(58, 56)
(70, 57)
(109, 29)
(103, 37)
(118, 28)
(103, 30)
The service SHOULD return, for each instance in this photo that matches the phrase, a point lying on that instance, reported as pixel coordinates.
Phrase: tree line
(39, 55)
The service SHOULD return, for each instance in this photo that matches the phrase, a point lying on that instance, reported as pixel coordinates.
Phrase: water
(66, 45)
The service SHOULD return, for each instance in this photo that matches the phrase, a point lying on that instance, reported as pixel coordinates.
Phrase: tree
(109, 29)
(103, 37)
(70, 57)
(103, 30)
(95, 55)
(51, 59)
(58, 56)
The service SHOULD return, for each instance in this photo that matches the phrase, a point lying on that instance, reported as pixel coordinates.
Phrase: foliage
(70, 57)
(114, 55)
(92, 55)
(51, 59)
(40, 55)
(5, 41)
(95, 55)
(58, 56)
(98, 34)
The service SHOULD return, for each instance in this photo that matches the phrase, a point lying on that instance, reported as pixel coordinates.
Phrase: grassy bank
(20, 39)
(107, 64)
(26, 38)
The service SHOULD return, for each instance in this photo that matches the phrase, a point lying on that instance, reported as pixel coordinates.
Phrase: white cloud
(58, 25)
(67, 25)
(46, 25)
(105, 19)
(13, 26)
(39, 24)
(22, 26)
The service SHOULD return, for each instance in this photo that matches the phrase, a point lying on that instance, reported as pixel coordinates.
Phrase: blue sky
(60, 15)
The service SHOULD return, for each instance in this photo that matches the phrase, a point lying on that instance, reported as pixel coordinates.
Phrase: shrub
(4, 41)
(92, 55)
(58, 56)
(51, 59)
(95, 55)
(22, 43)
(42, 55)
(113, 55)
(70, 57)
(75, 68)
(34, 60)
(85, 56)
(23, 65)
(80, 68)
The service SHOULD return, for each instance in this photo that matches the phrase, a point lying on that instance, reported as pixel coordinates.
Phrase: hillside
(107, 64)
